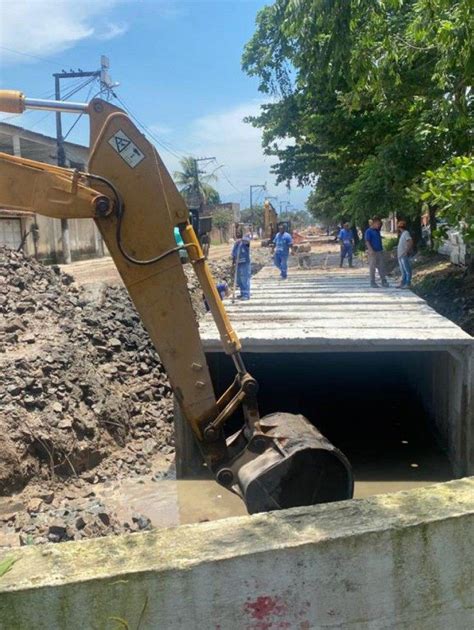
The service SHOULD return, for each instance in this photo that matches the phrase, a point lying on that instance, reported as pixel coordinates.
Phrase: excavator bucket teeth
(299, 467)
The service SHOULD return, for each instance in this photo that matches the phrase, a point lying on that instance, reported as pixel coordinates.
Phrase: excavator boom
(130, 195)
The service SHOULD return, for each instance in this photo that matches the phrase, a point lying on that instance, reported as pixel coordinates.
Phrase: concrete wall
(393, 561)
(452, 409)
(444, 382)
(86, 241)
(454, 248)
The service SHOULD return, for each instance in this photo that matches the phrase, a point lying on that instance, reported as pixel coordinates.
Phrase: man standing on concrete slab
(373, 242)
(346, 240)
(241, 265)
(404, 250)
(282, 243)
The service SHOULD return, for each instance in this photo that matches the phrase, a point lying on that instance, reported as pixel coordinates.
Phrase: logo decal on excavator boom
(127, 150)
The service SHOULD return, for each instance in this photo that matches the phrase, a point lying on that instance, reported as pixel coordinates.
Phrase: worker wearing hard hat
(282, 243)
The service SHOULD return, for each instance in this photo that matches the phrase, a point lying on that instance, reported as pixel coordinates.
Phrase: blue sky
(178, 64)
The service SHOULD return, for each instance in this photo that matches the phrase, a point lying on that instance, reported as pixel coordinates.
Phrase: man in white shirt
(404, 250)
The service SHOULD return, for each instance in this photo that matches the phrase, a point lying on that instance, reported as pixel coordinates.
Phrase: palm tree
(194, 185)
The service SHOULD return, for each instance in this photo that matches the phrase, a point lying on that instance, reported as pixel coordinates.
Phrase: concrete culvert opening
(393, 414)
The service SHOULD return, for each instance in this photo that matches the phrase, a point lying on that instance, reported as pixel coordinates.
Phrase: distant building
(16, 227)
(229, 210)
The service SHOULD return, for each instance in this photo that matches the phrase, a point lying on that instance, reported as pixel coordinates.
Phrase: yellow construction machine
(270, 223)
(273, 462)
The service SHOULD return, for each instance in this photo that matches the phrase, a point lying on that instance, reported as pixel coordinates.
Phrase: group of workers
(374, 246)
(373, 241)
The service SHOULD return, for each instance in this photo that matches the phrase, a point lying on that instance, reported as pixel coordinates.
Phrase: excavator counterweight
(273, 462)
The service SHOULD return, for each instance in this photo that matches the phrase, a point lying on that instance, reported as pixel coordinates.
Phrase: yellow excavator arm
(130, 195)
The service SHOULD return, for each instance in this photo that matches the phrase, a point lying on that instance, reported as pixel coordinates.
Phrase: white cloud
(238, 146)
(112, 30)
(47, 27)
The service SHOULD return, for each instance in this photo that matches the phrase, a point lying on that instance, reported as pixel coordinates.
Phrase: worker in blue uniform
(242, 265)
(282, 243)
(346, 240)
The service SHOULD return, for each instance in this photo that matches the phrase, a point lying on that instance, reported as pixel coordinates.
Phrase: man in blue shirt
(346, 239)
(241, 262)
(373, 242)
(282, 243)
(223, 291)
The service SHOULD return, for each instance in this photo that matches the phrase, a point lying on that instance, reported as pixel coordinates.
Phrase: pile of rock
(79, 378)
(84, 399)
(72, 516)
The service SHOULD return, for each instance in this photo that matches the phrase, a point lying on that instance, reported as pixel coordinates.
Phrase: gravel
(84, 399)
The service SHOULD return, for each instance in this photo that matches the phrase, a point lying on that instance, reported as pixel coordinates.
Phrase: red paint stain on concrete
(265, 612)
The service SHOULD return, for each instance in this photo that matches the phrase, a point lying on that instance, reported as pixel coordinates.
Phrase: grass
(6, 565)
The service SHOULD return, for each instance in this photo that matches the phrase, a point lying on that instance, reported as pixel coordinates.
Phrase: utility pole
(262, 186)
(197, 187)
(105, 84)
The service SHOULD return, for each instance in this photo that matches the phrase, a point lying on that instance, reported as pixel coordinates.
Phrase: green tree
(366, 97)
(450, 188)
(298, 218)
(253, 215)
(222, 221)
(195, 185)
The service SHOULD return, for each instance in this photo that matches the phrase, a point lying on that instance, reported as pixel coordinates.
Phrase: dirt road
(104, 270)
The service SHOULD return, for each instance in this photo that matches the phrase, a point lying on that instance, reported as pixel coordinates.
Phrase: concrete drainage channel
(384, 376)
(400, 560)
(372, 407)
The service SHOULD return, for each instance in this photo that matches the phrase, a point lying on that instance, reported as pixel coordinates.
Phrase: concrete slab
(399, 561)
(318, 311)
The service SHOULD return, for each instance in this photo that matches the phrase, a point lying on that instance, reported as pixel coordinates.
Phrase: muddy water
(170, 502)
(373, 479)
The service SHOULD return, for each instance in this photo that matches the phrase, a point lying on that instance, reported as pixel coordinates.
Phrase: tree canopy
(365, 98)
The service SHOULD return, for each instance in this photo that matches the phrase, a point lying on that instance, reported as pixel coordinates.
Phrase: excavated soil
(84, 400)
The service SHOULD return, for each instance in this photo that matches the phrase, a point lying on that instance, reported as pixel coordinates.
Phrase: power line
(48, 95)
(76, 87)
(91, 81)
(177, 153)
(226, 177)
(167, 146)
(73, 125)
(22, 54)
(146, 129)
(74, 90)
(29, 111)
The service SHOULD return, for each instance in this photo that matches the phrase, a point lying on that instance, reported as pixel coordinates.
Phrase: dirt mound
(79, 377)
(84, 400)
(447, 288)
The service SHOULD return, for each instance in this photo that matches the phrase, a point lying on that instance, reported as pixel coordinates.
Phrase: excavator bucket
(298, 467)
